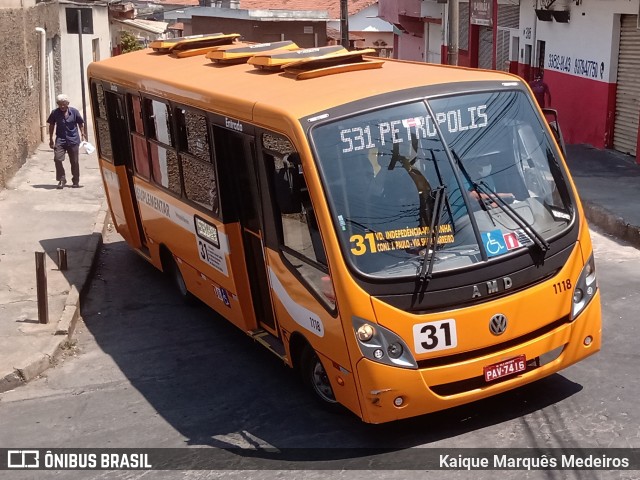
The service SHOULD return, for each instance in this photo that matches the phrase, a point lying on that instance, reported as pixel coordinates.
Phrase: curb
(612, 224)
(39, 362)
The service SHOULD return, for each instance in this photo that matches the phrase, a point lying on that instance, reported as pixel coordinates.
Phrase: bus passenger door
(236, 152)
(121, 192)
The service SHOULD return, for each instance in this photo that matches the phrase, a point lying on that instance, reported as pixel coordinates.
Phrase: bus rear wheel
(315, 377)
(173, 271)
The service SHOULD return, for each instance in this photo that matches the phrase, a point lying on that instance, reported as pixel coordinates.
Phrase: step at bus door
(120, 191)
(235, 151)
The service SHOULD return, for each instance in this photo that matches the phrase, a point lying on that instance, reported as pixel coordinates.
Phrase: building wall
(580, 64)
(68, 77)
(420, 24)
(265, 31)
(397, 11)
(20, 129)
(373, 30)
(17, 3)
(366, 20)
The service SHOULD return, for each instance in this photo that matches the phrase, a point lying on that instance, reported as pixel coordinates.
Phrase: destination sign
(364, 137)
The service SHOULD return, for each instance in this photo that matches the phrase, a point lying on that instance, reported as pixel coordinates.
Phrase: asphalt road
(148, 371)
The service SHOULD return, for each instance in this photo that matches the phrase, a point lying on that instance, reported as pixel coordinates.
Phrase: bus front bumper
(391, 393)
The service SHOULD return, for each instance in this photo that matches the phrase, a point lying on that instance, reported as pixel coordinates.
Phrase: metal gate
(625, 134)
(485, 54)
(463, 26)
(502, 50)
(508, 26)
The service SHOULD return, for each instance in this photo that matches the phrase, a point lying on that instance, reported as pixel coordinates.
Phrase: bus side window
(302, 244)
(195, 152)
(102, 124)
(287, 185)
(165, 170)
(138, 140)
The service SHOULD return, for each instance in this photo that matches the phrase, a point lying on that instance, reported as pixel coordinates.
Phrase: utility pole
(84, 100)
(344, 24)
(453, 16)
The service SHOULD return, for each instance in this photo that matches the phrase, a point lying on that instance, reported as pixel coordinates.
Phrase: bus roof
(245, 92)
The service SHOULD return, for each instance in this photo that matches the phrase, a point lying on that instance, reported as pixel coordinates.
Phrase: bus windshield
(489, 153)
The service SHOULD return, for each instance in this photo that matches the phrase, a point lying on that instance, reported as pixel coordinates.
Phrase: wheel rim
(320, 382)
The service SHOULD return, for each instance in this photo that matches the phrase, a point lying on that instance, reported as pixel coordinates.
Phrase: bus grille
(462, 357)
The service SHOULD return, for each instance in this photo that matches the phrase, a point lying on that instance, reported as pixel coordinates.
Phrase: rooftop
(331, 6)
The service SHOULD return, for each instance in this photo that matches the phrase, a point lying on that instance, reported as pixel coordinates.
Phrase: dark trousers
(58, 157)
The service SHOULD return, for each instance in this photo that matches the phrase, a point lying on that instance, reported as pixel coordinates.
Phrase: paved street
(148, 371)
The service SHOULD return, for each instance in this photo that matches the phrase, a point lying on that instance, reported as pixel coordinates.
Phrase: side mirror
(551, 116)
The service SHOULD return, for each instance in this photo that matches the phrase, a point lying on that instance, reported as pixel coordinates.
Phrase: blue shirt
(67, 132)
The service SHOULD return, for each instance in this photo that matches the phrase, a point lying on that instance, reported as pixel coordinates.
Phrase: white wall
(432, 9)
(433, 33)
(17, 3)
(590, 38)
(70, 52)
(365, 20)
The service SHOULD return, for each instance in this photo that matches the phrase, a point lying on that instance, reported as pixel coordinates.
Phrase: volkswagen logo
(498, 324)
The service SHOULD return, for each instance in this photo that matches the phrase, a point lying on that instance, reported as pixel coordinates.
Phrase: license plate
(505, 368)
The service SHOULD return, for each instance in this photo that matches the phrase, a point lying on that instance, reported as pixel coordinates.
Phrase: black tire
(316, 379)
(174, 274)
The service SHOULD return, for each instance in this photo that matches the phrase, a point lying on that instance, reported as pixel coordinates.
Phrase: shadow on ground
(217, 388)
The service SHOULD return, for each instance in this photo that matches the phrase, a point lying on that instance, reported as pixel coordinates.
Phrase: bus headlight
(577, 295)
(365, 332)
(585, 288)
(381, 345)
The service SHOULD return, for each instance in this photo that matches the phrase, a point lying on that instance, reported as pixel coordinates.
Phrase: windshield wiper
(426, 268)
(538, 239)
(473, 184)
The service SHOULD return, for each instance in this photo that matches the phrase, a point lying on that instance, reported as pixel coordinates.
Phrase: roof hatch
(240, 53)
(330, 64)
(275, 61)
(302, 63)
(193, 43)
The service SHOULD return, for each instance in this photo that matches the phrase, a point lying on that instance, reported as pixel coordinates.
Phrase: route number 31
(434, 336)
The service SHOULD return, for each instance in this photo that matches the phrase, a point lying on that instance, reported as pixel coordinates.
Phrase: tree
(129, 43)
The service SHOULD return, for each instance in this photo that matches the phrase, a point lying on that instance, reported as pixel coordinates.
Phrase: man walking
(541, 90)
(69, 127)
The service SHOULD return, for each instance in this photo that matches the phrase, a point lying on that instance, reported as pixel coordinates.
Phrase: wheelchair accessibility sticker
(494, 243)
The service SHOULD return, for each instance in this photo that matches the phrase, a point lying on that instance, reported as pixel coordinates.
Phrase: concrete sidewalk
(36, 217)
(609, 185)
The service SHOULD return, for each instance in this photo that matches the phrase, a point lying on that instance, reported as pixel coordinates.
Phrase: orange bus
(405, 235)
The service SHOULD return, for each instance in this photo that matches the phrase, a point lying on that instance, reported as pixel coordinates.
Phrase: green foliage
(129, 43)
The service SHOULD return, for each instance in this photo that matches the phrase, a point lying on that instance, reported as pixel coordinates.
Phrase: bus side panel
(205, 268)
(248, 320)
(297, 310)
(120, 202)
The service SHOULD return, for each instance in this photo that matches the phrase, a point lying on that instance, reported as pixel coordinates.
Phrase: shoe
(61, 184)
(75, 185)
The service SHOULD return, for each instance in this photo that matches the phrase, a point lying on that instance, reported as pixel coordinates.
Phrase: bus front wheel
(315, 377)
